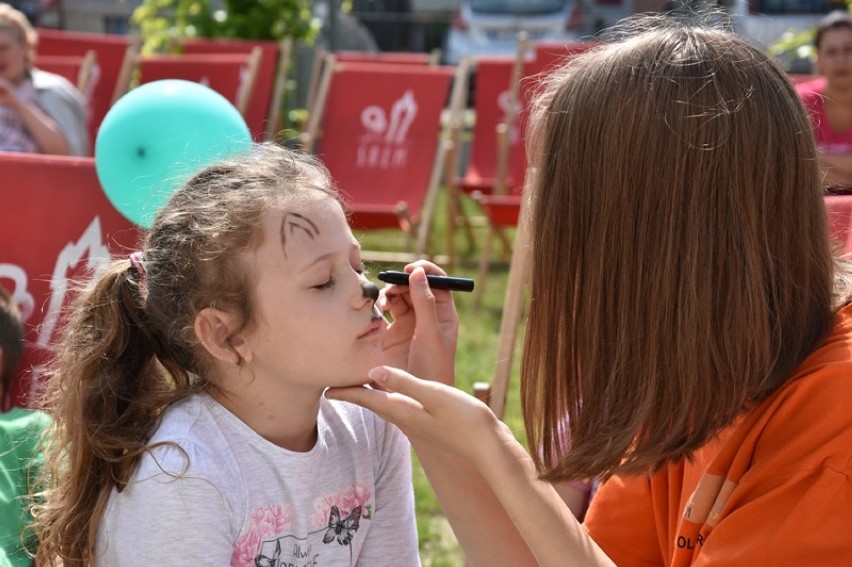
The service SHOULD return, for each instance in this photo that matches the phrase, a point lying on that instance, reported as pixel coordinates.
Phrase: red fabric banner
(380, 134)
(549, 56)
(222, 73)
(493, 85)
(57, 225)
(261, 97)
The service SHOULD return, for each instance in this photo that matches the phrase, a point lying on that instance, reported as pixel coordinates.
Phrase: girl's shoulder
(188, 438)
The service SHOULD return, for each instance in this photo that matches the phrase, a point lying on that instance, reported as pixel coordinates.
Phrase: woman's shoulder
(807, 417)
(45, 80)
(51, 85)
(811, 93)
(812, 87)
(18, 418)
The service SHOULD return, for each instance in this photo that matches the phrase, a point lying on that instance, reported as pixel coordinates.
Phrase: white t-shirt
(240, 500)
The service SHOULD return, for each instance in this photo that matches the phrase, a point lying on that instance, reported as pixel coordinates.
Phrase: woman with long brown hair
(686, 315)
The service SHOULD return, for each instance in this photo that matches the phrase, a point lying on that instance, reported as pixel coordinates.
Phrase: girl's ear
(215, 331)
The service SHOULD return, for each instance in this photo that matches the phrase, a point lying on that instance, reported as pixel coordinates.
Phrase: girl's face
(835, 56)
(12, 57)
(314, 320)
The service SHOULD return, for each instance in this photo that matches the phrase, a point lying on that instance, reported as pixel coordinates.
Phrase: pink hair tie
(136, 261)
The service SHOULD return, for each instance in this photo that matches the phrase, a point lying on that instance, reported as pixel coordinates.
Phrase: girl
(190, 423)
(686, 315)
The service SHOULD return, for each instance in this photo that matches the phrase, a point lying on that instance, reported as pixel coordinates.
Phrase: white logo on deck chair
(384, 143)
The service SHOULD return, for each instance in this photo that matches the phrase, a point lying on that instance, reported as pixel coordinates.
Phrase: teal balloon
(157, 136)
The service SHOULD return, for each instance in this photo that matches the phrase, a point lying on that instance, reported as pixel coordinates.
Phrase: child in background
(191, 427)
(20, 434)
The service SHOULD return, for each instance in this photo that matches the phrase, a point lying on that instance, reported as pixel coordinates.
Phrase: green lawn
(478, 336)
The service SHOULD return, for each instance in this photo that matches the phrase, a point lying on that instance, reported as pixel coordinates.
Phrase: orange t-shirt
(775, 488)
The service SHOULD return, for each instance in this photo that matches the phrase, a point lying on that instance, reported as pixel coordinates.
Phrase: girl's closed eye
(326, 284)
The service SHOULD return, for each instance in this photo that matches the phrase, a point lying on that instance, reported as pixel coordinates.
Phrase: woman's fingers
(422, 408)
(386, 380)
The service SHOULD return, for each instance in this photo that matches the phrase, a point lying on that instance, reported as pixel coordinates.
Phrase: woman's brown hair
(128, 349)
(16, 22)
(681, 262)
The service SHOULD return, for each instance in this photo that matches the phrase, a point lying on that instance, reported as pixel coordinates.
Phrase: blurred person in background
(829, 100)
(20, 457)
(40, 112)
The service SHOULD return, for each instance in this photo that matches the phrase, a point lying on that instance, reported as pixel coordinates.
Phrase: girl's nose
(370, 291)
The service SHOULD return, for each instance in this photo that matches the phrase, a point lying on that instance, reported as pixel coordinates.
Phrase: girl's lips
(376, 326)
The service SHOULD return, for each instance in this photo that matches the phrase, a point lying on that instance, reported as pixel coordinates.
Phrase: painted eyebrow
(291, 222)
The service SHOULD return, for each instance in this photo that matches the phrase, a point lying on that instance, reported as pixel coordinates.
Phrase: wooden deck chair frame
(125, 74)
(273, 117)
(444, 149)
(251, 62)
(85, 65)
(495, 393)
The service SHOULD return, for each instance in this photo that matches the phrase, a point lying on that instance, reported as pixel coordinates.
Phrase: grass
(478, 338)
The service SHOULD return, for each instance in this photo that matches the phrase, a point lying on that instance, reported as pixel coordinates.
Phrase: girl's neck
(286, 418)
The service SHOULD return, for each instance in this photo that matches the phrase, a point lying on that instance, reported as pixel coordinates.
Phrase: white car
(763, 22)
(490, 27)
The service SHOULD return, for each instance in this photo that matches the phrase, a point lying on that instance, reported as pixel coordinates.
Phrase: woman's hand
(423, 335)
(8, 97)
(431, 412)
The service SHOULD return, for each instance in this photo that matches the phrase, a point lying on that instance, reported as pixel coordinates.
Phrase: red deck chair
(548, 55)
(264, 106)
(492, 95)
(839, 211)
(393, 57)
(79, 70)
(499, 199)
(381, 142)
(56, 224)
(321, 56)
(497, 159)
(232, 76)
(113, 58)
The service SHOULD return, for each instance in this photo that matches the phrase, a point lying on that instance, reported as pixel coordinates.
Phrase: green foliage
(162, 23)
(794, 45)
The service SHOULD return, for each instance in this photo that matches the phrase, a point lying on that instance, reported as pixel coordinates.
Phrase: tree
(163, 23)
